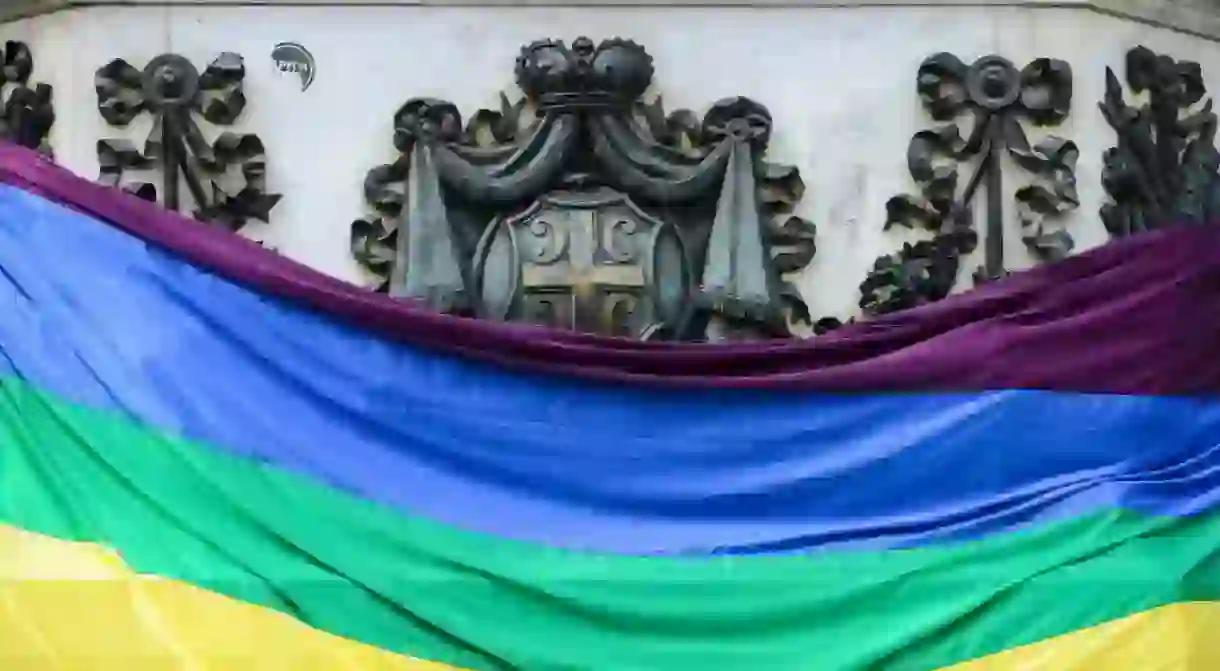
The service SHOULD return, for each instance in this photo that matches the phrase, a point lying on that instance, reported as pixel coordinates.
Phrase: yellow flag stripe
(76, 606)
(1178, 637)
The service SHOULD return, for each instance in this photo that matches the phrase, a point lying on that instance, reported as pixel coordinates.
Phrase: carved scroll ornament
(1163, 170)
(226, 178)
(582, 207)
(28, 111)
(997, 96)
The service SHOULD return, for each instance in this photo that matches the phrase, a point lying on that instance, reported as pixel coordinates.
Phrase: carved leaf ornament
(1163, 169)
(28, 113)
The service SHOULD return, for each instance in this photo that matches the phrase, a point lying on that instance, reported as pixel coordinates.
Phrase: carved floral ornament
(226, 178)
(581, 206)
(1163, 169)
(28, 112)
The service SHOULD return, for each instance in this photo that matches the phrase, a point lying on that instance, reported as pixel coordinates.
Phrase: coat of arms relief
(583, 207)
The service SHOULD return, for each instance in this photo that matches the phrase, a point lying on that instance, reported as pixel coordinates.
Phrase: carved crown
(615, 72)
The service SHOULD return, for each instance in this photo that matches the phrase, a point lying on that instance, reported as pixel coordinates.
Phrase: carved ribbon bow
(171, 89)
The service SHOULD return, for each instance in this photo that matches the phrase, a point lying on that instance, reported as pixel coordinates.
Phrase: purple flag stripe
(1138, 316)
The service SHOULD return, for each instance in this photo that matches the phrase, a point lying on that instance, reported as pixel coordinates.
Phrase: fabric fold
(1084, 324)
(212, 457)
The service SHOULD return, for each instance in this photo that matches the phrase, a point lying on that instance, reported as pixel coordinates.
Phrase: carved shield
(585, 261)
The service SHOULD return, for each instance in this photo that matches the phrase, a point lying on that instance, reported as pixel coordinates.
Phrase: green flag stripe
(363, 571)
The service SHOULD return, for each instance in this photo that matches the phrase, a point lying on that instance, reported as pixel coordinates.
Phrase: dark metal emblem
(587, 261)
(582, 207)
(293, 58)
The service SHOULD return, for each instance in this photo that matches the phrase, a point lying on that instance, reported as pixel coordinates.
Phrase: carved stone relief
(1163, 169)
(997, 97)
(28, 111)
(226, 178)
(582, 207)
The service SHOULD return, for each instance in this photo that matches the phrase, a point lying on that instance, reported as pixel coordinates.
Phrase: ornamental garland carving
(226, 178)
(581, 206)
(29, 112)
(997, 98)
(1163, 169)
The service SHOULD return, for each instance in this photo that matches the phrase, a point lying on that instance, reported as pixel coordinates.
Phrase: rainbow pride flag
(214, 458)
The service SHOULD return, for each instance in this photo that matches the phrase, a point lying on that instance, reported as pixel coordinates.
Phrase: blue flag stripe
(104, 320)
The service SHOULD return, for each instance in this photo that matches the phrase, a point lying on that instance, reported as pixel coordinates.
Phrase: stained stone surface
(1201, 17)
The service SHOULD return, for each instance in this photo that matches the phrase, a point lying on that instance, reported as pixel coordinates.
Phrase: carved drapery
(226, 178)
(997, 96)
(29, 111)
(1163, 169)
(602, 213)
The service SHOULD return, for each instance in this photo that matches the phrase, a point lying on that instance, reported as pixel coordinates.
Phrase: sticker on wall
(292, 57)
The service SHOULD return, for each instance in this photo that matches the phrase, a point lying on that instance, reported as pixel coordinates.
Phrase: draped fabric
(212, 457)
